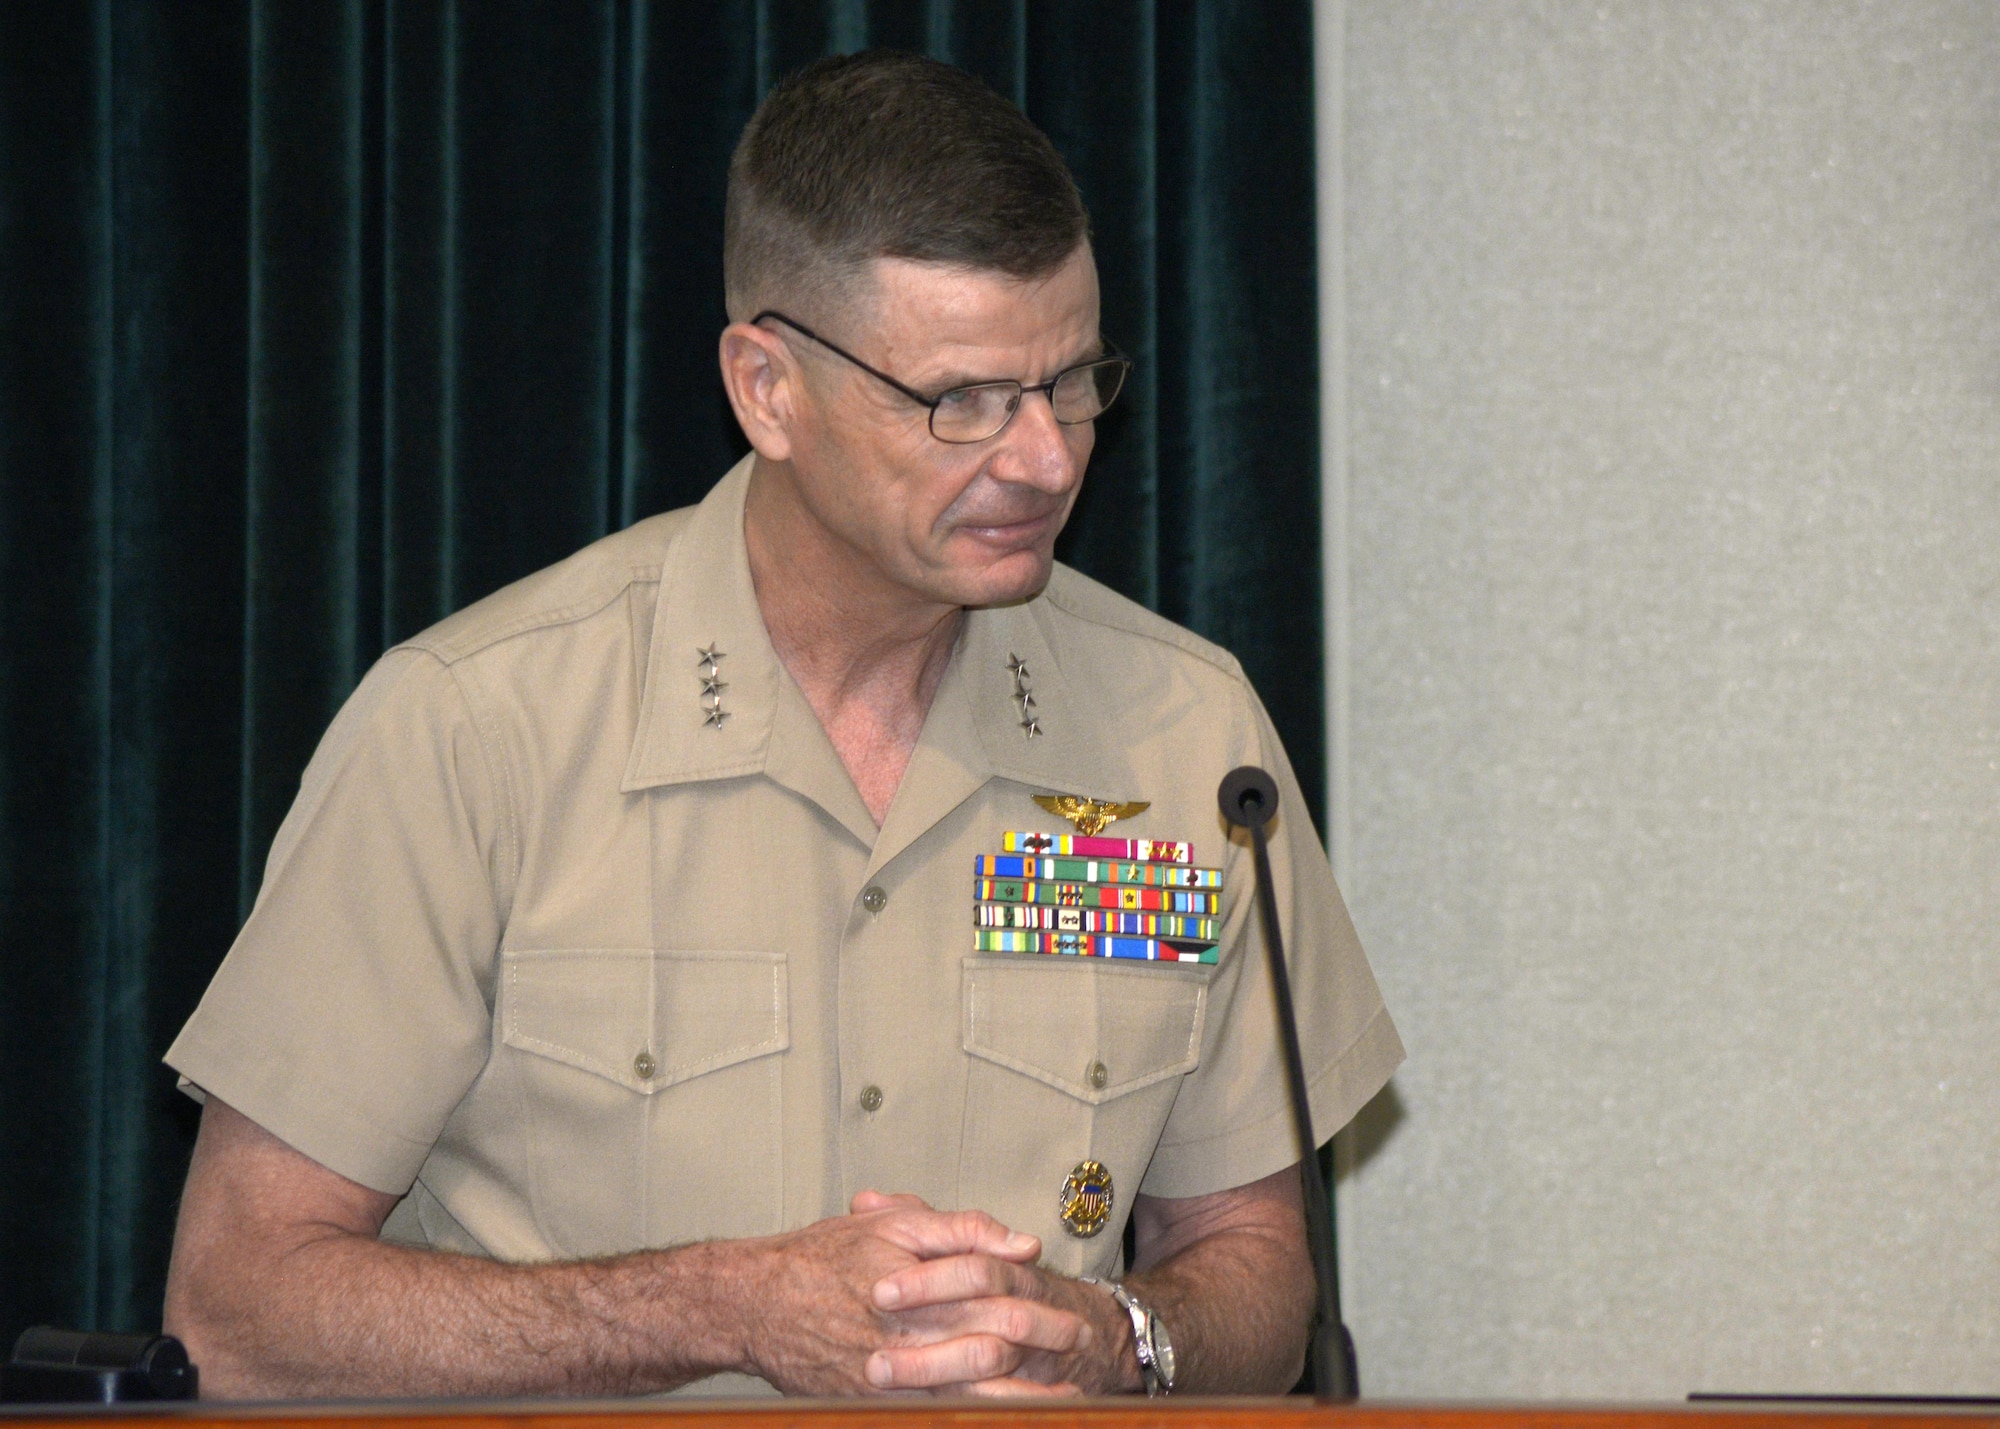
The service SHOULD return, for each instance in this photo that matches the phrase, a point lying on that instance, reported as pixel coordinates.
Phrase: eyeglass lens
(972, 414)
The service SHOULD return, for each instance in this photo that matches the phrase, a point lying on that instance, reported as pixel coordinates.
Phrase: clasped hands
(896, 1296)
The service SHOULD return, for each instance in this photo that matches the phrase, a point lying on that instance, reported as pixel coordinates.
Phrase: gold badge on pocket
(1086, 1198)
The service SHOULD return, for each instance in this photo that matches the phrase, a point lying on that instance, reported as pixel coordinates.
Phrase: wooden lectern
(1292, 1413)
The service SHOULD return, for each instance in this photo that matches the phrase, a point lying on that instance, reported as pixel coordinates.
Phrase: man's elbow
(1299, 1295)
(249, 1280)
(1289, 1369)
(250, 1311)
(199, 1314)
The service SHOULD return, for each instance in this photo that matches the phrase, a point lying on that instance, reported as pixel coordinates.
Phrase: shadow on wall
(1363, 1138)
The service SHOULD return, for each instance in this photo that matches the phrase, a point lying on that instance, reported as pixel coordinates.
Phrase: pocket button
(1099, 1075)
(643, 1066)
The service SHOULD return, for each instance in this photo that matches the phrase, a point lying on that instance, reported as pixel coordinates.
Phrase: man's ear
(763, 383)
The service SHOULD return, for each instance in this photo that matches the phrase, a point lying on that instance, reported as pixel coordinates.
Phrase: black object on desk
(52, 1366)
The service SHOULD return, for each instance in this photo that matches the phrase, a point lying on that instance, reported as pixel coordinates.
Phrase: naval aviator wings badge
(1089, 816)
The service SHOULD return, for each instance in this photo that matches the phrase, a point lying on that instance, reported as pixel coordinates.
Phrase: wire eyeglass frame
(1111, 369)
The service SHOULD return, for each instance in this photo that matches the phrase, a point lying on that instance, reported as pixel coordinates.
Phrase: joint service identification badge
(1086, 1198)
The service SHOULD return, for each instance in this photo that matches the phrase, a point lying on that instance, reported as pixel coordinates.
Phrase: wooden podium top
(1291, 1413)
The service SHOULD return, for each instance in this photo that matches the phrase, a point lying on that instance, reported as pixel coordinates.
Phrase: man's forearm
(351, 1315)
(1230, 1275)
(279, 1286)
(1238, 1306)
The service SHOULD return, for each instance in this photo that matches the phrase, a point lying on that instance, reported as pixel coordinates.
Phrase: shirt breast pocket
(651, 1088)
(1070, 1059)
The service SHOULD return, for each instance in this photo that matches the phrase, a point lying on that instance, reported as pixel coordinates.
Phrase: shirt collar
(706, 603)
(974, 731)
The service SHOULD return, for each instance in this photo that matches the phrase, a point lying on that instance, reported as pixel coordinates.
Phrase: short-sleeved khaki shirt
(581, 970)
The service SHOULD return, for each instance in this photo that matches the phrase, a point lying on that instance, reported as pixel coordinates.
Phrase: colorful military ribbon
(1097, 895)
(1093, 870)
(1084, 895)
(1097, 846)
(1091, 945)
(1096, 920)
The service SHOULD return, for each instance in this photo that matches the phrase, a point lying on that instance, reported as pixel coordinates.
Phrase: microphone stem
(1334, 1370)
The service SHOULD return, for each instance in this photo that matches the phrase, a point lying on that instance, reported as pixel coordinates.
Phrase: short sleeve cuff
(306, 1117)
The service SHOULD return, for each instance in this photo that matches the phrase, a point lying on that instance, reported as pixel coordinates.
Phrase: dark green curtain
(319, 320)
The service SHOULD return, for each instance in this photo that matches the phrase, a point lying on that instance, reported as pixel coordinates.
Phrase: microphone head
(1248, 796)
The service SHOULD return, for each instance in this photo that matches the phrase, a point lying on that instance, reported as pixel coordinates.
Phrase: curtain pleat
(123, 188)
(318, 322)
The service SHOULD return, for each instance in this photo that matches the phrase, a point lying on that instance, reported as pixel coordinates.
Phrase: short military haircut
(888, 155)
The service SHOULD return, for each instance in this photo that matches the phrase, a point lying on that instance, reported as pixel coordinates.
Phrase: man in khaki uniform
(610, 1021)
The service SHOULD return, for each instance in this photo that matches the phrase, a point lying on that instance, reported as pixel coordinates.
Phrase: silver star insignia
(709, 655)
(713, 685)
(1017, 667)
(1032, 726)
(714, 718)
(1027, 701)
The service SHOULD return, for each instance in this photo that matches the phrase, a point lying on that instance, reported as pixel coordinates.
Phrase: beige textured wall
(1670, 439)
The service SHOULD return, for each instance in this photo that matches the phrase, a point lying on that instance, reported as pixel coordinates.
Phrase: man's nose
(1037, 449)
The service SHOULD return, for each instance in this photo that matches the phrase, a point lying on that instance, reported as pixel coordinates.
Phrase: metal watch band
(1149, 1338)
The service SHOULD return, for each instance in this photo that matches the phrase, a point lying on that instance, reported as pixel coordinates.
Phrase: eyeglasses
(974, 413)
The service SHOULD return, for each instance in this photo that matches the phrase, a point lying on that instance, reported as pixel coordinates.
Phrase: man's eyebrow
(953, 379)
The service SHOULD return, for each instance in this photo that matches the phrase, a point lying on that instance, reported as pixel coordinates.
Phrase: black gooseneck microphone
(1249, 797)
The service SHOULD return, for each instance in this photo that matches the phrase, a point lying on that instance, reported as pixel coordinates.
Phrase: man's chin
(1019, 577)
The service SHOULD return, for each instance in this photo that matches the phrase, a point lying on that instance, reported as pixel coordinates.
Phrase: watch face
(1163, 1353)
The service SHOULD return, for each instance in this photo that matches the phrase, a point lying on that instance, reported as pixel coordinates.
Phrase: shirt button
(874, 900)
(871, 1098)
(644, 1066)
(1099, 1075)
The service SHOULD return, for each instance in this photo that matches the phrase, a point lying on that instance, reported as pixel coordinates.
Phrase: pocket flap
(1073, 1022)
(643, 1019)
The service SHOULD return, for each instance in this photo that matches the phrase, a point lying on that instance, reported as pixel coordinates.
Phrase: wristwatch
(1149, 1338)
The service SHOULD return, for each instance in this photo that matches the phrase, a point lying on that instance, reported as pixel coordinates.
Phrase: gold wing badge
(1088, 815)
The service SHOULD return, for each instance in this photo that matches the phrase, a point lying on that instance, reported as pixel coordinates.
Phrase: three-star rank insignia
(1086, 1199)
(708, 667)
(1031, 722)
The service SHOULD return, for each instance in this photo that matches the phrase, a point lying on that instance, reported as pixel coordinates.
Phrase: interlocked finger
(964, 1360)
(867, 1201)
(996, 1337)
(949, 1279)
(930, 1233)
